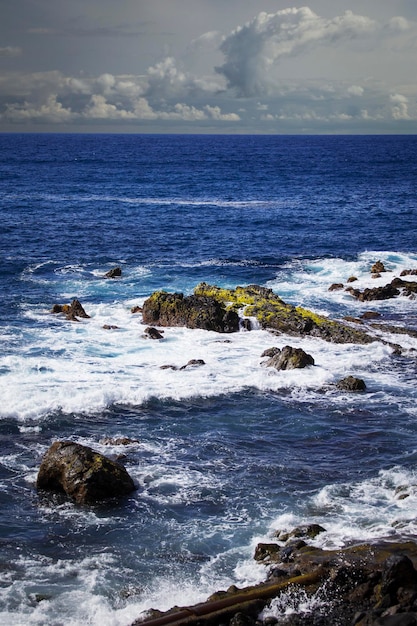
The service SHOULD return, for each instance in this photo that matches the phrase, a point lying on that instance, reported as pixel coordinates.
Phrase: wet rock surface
(82, 474)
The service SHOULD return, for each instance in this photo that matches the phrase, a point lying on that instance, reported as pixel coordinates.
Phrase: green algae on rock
(273, 313)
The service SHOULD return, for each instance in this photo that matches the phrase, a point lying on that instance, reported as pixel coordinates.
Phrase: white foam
(82, 367)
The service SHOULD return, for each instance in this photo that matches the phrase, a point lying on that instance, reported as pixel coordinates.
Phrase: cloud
(10, 51)
(356, 90)
(252, 49)
(400, 109)
(51, 111)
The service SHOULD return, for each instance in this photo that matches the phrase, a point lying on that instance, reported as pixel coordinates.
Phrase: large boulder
(82, 474)
(290, 358)
(196, 311)
(72, 311)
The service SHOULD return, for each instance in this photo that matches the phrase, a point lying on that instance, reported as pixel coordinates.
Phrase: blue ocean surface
(226, 454)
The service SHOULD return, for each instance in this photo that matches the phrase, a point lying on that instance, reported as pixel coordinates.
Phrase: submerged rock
(82, 474)
(116, 272)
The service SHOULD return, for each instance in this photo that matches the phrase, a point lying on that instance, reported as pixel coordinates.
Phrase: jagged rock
(352, 279)
(350, 383)
(336, 287)
(82, 474)
(168, 367)
(136, 309)
(173, 309)
(153, 333)
(72, 311)
(116, 272)
(290, 358)
(378, 267)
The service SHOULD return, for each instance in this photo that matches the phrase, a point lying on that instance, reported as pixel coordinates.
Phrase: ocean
(225, 454)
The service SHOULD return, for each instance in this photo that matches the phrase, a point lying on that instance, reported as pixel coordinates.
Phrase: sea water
(225, 454)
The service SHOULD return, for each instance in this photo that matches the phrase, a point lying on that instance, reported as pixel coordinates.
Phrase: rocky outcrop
(82, 474)
(71, 311)
(290, 358)
(395, 288)
(275, 314)
(196, 311)
(351, 383)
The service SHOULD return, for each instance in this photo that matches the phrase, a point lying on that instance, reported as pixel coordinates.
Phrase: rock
(72, 311)
(350, 383)
(136, 309)
(336, 287)
(152, 333)
(290, 358)
(276, 315)
(376, 293)
(409, 272)
(378, 267)
(82, 474)
(169, 367)
(310, 531)
(370, 315)
(110, 327)
(270, 352)
(118, 441)
(193, 363)
(116, 272)
(352, 279)
(173, 309)
(246, 324)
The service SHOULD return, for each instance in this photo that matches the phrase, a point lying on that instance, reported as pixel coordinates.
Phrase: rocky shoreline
(361, 585)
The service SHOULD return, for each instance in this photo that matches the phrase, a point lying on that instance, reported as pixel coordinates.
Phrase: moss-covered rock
(272, 312)
(196, 311)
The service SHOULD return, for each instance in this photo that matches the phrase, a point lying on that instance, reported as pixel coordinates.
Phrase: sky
(209, 66)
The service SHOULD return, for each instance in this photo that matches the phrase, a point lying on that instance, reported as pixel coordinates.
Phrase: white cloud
(51, 111)
(400, 109)
(252, 49)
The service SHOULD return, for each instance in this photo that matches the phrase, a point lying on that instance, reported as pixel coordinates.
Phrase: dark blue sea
(225, 454)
